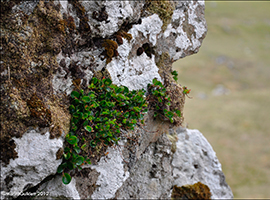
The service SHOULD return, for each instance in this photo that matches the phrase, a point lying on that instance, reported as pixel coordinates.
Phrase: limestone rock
(195, 161)
(36, 161)
(49, 48)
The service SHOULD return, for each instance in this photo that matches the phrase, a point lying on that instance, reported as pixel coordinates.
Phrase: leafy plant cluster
(175, 74)
(97, 116)
(160, 101)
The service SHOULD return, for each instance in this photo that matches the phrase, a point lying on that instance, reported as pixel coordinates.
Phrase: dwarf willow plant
(97, 116)
(175, 75)
(160, 101)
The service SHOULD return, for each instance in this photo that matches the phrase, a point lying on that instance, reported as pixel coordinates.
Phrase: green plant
(175, 74)
(186, 91)
(97, 116)
(160, 101)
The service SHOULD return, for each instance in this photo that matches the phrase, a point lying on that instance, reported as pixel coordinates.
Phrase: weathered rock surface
(51, 47)
(195, 161)
(153, 173)
(36, 161)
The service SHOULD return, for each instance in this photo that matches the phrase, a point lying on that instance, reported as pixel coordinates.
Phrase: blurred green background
(230, 84)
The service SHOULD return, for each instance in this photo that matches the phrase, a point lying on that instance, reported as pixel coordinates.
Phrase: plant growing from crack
(175, 74)
(97, 116)
(186, 91)
(160, 101)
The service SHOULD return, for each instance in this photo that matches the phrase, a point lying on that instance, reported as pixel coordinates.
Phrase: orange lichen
(196, 191)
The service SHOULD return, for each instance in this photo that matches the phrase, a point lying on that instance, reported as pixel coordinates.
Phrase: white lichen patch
(56, 189)
(62, 84)
(135, 72)
(112, 175)
(36, 160)
(150, 28)
(179, 42)
(132, 71)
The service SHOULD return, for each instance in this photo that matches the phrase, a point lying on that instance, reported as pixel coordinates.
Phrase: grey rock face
(36, 161)
(195, 161)
(60, 43)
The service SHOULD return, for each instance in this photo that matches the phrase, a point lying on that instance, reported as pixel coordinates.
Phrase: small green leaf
(94, 80)
(66, 179)
(155, 81)
(168, 103)
(85, 115)
(126, 90)
(119, 90)
(88, 161)
(107, 81)
(61, 167)
(137, 109)
(86, 99)
(72, 108)
(67, 149)
(134, 121)
(77, 149)
(178, 112)
(79, 160)
(66, 156)
(88, 128)
(126, 115)
(70, 165)
(122, 96)
(175, 73)
(75, 94)
(93, 144)
(84, 147)
(72, 139)
(86, 122)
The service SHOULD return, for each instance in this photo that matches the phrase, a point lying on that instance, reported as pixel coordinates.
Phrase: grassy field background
(230, 84)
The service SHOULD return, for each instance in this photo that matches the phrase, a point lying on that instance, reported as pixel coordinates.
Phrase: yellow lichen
(164, 9)
(196, 191)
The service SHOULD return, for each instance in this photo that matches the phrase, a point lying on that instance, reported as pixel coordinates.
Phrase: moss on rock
(110, 49)
(175, 91)
(29, 61)
(196, 191)
(164, 9)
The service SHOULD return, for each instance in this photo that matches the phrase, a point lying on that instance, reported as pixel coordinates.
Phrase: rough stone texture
(56, 189)
(36, 161)
(112, 166)
(195, 161)
(48, 48)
